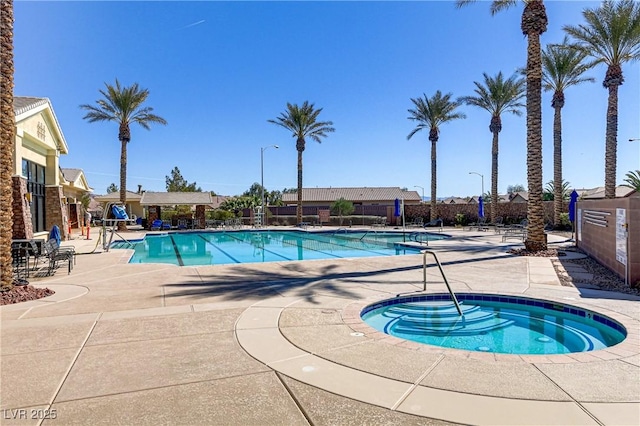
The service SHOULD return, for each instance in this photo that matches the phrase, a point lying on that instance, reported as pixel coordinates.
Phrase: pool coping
(630, 345)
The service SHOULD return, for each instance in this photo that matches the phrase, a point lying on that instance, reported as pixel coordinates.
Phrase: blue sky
(217, 71)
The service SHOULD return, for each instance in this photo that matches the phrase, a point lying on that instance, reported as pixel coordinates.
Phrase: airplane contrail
(193, 25)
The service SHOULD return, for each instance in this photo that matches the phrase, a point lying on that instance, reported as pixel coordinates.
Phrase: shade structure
(572, 205)
(396, 211)
(480, 207)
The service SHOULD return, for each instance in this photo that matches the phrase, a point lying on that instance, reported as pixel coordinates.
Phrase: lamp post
(481, 177)
(262, 181)
(418, 186)
(633, 140)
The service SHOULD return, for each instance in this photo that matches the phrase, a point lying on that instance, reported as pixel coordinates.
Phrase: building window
(34, 173)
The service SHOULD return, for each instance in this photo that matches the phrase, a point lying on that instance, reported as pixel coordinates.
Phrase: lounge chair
(435, 222)
(480, 225)
(182, 224)
(417, 222)
(516, 231)
(156, 225)
(166, 224)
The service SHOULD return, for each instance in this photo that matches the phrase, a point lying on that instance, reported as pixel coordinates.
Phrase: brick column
(200, 217)
(154, 213)
(56, 210)
(22, 223)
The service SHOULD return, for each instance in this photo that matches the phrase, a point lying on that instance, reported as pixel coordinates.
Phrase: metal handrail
(424, 277)
(367, 232)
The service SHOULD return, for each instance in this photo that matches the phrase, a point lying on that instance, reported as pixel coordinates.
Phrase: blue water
(217, 248)
(486, 326)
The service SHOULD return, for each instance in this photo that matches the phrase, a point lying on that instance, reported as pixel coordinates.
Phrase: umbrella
(396, 212)
(480, 207)
(55, 234)
(572, 206)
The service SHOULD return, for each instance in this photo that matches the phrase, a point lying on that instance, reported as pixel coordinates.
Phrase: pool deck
(282, 343)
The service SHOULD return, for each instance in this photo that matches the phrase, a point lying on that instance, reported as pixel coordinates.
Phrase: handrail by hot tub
(424, 277)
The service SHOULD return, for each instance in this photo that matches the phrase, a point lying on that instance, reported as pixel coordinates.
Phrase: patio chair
(156, 225)
(498, 225)
(166, 224)
(55, 255)
(182, 224)
(417, 222)
(71, 251)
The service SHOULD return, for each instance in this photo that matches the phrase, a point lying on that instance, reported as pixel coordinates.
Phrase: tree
(633, 180)
(511, 189)
(112, 188)
(497, 96)
(254, 191)
(274, 198)
(123, 105)
(430, 113)
(342, 207)
(611, 35)
(302, 122)
(7, 140)
(176, 183)
(562, 68)
(550, 193)
(533, 24)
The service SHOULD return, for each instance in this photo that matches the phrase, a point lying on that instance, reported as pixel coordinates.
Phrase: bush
(460, 219)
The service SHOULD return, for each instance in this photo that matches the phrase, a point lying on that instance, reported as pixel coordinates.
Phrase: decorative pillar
(56, 210)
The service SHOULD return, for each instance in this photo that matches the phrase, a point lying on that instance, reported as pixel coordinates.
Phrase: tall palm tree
(561, 68)
(7, 140)
(632, 180)
(302, 122)
(430, 113)
(123, 105)
(497, 96)
(611, 35)
(533, 24)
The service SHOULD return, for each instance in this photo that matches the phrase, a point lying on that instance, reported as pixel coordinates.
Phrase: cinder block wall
(600, 242)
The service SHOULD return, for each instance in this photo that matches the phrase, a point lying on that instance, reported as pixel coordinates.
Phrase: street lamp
(481, 177)
(418, 186)
(262, 181)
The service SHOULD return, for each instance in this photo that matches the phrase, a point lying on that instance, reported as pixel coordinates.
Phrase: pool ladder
(424, 277)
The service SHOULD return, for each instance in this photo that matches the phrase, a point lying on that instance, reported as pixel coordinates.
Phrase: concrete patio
(282, 343)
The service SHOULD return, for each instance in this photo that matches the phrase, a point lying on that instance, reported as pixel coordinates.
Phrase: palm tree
(430, 113)
(496, 96)
(123, 105)
(302, 122)
(550, 193)
(533, 24)
(611, 35)
(7, 140)
(633, 180)
(561, 68)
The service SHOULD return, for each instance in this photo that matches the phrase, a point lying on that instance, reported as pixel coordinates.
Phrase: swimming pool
(494, 323)
(218, 248)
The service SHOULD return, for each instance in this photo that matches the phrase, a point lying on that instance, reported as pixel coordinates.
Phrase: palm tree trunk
(7, 140)
(433, 214)
(123, 180)
(299, 208)
(557, 165)
(610, 155)
(534, 23)
(494, 177)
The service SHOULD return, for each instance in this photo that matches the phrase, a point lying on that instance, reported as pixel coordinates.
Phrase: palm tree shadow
(249, 282)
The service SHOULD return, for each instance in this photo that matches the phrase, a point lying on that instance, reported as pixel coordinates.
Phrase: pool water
(217, 248)
(511, 325)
